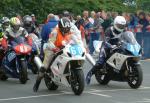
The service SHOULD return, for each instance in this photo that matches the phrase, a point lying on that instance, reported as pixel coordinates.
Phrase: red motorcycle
(14, 64)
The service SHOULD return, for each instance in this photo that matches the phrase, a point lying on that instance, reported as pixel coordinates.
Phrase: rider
(58, 37)
(5, 23)
(112, 32)
(13, 31)
(28, 25)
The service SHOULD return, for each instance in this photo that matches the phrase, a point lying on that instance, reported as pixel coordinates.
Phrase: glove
(4, 43)
(55, 50)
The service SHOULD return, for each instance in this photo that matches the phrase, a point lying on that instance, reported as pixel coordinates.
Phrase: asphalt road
(11, 91)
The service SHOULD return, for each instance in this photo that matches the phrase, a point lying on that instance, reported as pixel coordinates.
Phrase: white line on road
(111, 90)
(103, 95)
(28, 97)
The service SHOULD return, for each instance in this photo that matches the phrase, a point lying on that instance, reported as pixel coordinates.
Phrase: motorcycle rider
(73, 29)
(5, 23)
(28, 25)
(59, 36)
(111, 40)
(13, 31)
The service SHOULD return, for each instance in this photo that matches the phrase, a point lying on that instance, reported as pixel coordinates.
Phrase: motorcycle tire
(23, 72)
(49, 83)
(77, 81)
(3, 76)
(102, 79)
(135, 80)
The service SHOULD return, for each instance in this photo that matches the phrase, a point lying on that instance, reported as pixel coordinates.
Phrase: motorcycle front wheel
(77, 81)
(23, 72)
(102, 78)
(135, 77)
(3, 76)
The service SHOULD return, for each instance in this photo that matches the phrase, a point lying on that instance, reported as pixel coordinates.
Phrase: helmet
(5, 19)
(27, 20)
(119, 24)
(5, 22)
(15, 23)
(66, 13)
(64, 25)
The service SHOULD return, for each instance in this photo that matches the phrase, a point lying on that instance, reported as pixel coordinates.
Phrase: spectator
(96, 29)
(107, 21)
(143, 21)
(148, 19)
(114, 14)
(47, 29)
(86, 24)
(34, 21)
(91, 19)
(133, 22)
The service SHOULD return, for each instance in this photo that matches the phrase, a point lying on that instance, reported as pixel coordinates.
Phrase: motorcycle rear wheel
(49, 83)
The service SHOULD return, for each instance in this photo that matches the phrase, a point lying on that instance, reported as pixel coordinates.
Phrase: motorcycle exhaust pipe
(38, 62)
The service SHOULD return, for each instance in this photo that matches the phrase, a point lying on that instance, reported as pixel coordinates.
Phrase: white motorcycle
(66, 69)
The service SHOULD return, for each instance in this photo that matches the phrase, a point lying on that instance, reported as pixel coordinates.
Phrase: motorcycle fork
(128, 69)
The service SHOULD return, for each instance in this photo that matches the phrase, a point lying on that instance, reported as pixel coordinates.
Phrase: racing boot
(39, 78)
(91, 72)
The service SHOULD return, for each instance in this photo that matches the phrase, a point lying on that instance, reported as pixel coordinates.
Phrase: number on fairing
(76, 50)
(23, 48)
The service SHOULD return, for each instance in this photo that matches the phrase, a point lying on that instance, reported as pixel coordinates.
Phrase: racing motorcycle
(14, 64)
(66, 69)
(123, 63)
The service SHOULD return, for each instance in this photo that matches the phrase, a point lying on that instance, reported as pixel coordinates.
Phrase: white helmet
(119, 23)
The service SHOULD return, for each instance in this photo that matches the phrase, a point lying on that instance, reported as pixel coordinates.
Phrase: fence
(143, 39)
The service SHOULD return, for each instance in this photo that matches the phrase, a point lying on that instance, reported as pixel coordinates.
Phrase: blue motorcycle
(123, 63)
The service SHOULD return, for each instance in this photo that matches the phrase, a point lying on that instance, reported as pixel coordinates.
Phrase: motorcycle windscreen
(134, 49)
(131, 44)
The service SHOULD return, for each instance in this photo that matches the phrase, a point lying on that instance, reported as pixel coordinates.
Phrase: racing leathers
(9, 35)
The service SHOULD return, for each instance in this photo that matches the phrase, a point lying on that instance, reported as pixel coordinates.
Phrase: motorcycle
(14, 64)
(123, 63)
(34, 54)
(66, 69)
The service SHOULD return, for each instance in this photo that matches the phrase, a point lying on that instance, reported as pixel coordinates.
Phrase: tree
(41, 8)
